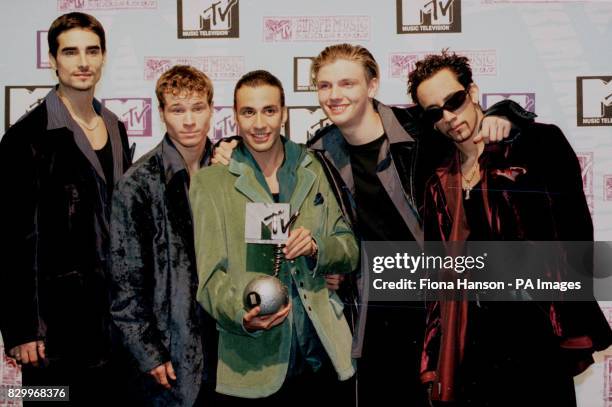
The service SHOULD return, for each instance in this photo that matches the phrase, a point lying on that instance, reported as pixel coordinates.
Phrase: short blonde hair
(355, 53)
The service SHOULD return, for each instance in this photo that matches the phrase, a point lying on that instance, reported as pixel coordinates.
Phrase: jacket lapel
(306, 179)
(247, 184)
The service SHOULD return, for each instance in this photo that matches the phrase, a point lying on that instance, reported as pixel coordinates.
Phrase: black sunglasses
(433, 114)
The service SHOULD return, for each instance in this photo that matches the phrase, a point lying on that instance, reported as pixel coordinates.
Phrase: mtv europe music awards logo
(483, 62)
(526, 100)
(19, 100)
(135, 113)
(594, 100)
(80, 5)
(428, 16)
(224, 124)
(218, 68)
(316, 28)
(208, 19)
(304, 121)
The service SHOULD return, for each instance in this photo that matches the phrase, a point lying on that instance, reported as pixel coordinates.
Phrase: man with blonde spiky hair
(153, 255)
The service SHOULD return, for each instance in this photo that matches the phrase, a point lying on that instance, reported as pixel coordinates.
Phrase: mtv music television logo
(594, 100)
(19, 100)
(135, 113)
(208, 19)
(301, 75)
(224, 124)
(526, 100)
(428, 16)
(304, 121)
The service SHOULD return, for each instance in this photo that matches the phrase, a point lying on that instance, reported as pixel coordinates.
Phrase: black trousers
(388, 370)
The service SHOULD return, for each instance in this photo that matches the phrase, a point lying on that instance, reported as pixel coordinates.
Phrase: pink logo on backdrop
(135, 113)
(586, 165)
(526, 100)
(483, 62)
(10, 375)
(608, 187)
(218, 68)
(224, 124)
(317, 28)
(80, 5)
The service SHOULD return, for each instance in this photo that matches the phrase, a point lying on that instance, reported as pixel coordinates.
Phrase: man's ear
(161, 114)
(285, 115)
(373, 87)
(474, 93)
(52, 61)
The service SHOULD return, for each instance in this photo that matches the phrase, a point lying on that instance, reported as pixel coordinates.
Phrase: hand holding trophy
(268, 224)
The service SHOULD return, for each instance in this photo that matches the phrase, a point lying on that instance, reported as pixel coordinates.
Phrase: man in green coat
(296, 350)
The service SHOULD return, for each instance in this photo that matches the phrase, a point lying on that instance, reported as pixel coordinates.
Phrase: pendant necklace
(77, 118)
(467, 181)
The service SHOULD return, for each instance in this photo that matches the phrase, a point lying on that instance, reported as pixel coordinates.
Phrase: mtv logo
(594, 102)
(208, 18)
(224, 124)
(304, 121)
(428, 16)
(135, 113)
(277, 30)
(42, 50)
(526, 100)
(19, 100)
(301, 75)
(427, 12)
(402, 64)
(266, 223)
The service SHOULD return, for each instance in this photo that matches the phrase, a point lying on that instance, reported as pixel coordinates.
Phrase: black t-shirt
(105, 156)
(378, 219)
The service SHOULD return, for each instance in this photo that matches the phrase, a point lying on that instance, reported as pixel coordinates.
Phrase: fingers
(170, 371)
(494, 129)
(333, 281)
(279, 317)
(300, 243)
(223, 152)
(40, 347)
(31, 355)
(160, 376)
(265, 322)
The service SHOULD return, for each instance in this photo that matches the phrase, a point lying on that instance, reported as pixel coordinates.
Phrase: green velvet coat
(254, 365)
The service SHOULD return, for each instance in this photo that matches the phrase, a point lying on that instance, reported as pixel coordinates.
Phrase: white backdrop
(554, 57)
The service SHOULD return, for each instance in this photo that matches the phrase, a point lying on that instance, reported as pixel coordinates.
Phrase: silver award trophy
(268, 224)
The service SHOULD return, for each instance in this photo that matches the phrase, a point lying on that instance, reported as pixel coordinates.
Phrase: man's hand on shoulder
(223, 152)
(493, 129)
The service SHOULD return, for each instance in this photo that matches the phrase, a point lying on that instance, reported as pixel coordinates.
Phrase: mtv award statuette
(268, 224)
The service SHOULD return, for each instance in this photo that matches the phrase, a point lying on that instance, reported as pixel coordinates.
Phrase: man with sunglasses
(496, 353)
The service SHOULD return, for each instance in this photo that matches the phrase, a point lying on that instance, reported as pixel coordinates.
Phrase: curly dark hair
(432, 64)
